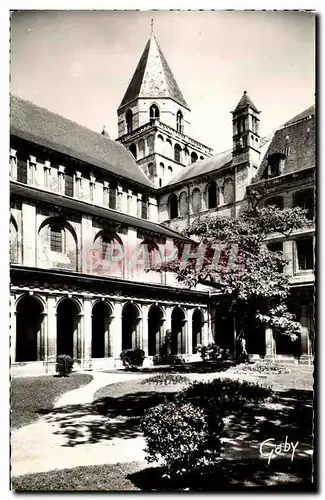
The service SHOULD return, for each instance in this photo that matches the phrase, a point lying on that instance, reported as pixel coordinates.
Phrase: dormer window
(154, 112)
(179, 122)
(275, 165)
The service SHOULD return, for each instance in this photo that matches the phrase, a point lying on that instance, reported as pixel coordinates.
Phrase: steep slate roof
(244, 102)
(295, 139)
(153, 77)
(212, 164)
(45, 128)
(203, 167)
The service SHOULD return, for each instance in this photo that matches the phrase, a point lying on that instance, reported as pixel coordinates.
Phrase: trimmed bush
(212, 352)
(166, 379)
(224, 395)
(64, 365)
(184, 437)
(261, 368)
(132, 359)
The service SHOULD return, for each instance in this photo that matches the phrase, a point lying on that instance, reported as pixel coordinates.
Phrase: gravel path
(42, 446)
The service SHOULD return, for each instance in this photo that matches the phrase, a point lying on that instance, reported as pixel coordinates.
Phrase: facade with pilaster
(89, 216)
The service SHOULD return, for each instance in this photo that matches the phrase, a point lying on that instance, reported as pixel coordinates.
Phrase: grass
(124, 403)
(86, 478)
(29, 395)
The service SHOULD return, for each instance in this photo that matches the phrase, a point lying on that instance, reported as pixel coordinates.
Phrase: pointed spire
(245, 102)
(153, 77)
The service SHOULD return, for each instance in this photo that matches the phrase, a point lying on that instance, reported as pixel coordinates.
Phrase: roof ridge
(16, 96)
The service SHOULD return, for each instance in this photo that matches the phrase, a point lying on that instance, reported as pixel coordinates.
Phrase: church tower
(154, 119)
(246, 135)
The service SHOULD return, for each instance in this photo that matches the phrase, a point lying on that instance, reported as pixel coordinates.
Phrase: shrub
(212, 352)
(261, 368)
(223, 395)
(64, 364)
(166, 379)
(178, 361)
(132, 358)
(185, 438)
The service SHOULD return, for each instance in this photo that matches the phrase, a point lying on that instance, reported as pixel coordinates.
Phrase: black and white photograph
(162, 172)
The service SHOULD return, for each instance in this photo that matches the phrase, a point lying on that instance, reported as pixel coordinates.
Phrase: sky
(79, 63)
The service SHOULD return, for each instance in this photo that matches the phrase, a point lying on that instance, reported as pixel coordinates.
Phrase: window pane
(305, 254)
(56, 239)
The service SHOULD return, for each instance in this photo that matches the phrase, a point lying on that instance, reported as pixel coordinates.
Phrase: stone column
(305, 357)
(86, 361)
(116, 327)
(86, 244)
(189, 336)
(29, 232)
(13, 323)
(51, 352)
(139, 205)
(270, 346)
(145, 332)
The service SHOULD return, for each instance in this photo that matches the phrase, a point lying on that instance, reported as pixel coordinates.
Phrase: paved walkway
(42, 446)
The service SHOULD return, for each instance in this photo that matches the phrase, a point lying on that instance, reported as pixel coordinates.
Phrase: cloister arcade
(95, 331)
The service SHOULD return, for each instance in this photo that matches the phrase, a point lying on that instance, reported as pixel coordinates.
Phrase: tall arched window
(183, 204)
(56, 240)
(179, 122)
(193, 157)
(196, 201)
(173, 206)
(154, 112)
(142, 149)
(212, 195)
(133, 150)
(129, 121)
(170, 172)
(228, 191)
(177, 153)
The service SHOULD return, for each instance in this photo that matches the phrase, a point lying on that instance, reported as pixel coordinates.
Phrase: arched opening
(68, 340)
(151, 171)
(100, 331)
(57, 244)
(130, 327)
(142, 148)
(186, 155)
(173, 206)
(161, 170)
(160, 144)
(154, 112)
(148, 258)
(179, 122)
(196, 201)
(193, 157)
(168, 148)
(29, 322)
(183, 204)
(170, 172)
(177, 153)
(212, 194)
(155, 323)
(178, 331)
(13, 241)
(151, 144)
(108, 255)
(129, 121)
(201, 157)
(228, 191)
(197, 329)
(133, 150)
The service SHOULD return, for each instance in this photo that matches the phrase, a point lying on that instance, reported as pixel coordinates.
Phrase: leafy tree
(255, 285)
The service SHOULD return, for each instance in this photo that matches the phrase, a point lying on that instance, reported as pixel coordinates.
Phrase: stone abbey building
(77, 196)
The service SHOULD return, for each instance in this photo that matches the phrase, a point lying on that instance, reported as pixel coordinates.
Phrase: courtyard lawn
(124, 404)
(31, 395)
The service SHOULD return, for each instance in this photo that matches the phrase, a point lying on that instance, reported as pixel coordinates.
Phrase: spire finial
(151, 27)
